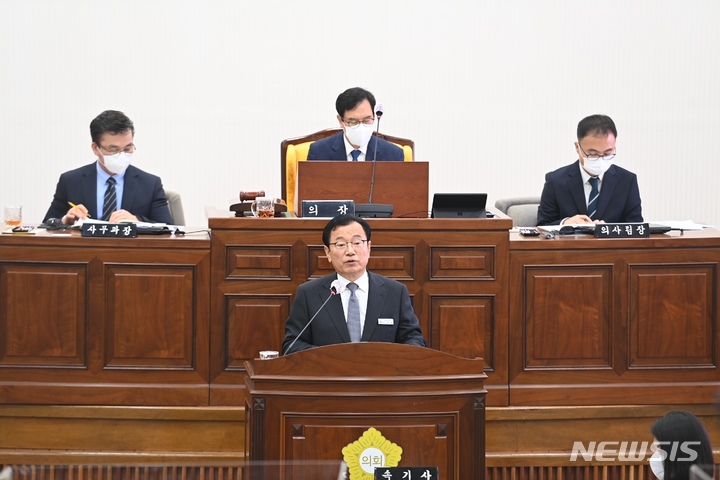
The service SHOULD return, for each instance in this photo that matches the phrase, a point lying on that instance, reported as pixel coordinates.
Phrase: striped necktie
(353, 314)
(110, 199)
(594, 194)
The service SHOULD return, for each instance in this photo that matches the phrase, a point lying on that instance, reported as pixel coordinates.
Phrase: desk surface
(201, 239)
(708, 237)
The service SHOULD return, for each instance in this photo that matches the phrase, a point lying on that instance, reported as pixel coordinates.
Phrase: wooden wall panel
(567, 317)
(464, 326)
(614, 321)
(36, 330)
(156, 329)
(104, 321)
(249, 261)
(254, 323)
(462, 263)
(672, 312)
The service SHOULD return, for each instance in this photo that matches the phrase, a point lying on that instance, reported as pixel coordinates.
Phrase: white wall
(491, 91)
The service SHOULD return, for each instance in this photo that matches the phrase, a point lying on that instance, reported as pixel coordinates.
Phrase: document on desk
(681, 224)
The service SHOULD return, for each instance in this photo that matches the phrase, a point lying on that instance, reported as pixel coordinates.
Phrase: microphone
(370, 210)
(335, 289)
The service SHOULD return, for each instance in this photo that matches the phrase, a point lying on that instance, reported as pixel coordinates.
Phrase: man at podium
(351, 305)
(356, 115)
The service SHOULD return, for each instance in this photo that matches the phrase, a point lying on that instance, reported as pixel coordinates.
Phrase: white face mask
(359, 135)
(656, 465)
(597, 166)
(117, 164)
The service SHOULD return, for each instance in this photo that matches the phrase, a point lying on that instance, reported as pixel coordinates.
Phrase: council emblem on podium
(369, 451)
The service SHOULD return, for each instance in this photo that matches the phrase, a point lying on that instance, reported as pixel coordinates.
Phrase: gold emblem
(369, 451)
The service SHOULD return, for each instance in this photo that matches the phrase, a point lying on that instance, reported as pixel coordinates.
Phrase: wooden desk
(614, 321)
(104, 321)
(455, 271)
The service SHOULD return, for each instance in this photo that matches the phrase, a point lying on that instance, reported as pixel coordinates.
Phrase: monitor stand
(373, 210)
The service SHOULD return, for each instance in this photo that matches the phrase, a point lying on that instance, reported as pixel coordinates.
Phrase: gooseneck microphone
(370, 209)
(335, 289)
(378, 113)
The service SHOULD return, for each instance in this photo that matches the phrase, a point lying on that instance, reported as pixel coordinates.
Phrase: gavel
(251, 195)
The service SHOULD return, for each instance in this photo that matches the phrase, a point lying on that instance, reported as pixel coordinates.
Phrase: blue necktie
(110, 199)
(355, 154)
(353, 314)
(594, 193)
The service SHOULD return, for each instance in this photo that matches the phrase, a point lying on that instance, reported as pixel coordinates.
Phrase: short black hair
(596, 125)
(110, 121)
(351, 98)
(341, 221)
(680, 426)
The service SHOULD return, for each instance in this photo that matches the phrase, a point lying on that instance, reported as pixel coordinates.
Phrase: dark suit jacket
(333, 148)
(564, 196)
(143, 194)
(387, 298)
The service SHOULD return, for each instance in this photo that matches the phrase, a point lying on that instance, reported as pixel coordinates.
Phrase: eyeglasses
(343, 245)
(594, 156)
(115, 153)
(353, 123)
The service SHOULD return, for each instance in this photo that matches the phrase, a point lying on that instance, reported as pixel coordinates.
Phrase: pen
(75, 206)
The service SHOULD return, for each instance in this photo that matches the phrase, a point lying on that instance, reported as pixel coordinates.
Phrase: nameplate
(113, 230)
(327, 208)
(406, 473)
(622, 230)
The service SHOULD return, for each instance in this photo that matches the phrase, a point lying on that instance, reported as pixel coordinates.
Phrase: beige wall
(490, 91)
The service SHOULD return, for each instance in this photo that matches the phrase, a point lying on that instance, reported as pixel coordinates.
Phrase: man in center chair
(356, 116)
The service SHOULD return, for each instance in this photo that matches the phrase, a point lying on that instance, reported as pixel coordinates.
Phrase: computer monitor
(459, 205)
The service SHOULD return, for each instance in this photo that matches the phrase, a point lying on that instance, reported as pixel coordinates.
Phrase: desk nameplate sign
(113, 230)
(406, 473)
(622, 230)
(327, 208)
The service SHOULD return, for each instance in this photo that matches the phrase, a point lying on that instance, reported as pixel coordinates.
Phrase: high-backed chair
(176, 208)
(523, 210)
(294, 150)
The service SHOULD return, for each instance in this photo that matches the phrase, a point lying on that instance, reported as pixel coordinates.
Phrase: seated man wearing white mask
(356, 115)
(110, 189)
(593, 189)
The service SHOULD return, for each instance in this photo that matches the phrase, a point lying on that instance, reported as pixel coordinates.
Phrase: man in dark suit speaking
(593, 189)
(110, 189)
(356, 115)
(367, 307)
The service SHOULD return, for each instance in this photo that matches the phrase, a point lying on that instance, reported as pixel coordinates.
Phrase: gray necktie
(353, 314)
(594, 194)
(110, 199)
(355, 154)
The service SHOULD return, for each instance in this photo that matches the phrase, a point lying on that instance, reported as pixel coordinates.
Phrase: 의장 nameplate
(327, 208)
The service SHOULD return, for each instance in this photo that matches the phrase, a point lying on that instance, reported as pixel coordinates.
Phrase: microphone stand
(370, 209)
(333, 292)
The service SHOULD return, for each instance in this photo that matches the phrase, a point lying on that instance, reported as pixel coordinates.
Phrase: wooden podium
(309, 405)
(401, 184)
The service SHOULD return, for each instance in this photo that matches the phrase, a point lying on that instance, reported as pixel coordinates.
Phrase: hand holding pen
(75, 213)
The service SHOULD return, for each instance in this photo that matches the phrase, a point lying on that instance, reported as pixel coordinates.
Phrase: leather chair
(523, 210)
(294, 150)
(176, 208)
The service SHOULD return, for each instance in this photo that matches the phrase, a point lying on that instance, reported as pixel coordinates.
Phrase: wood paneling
(104, 321)
(616, 320)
